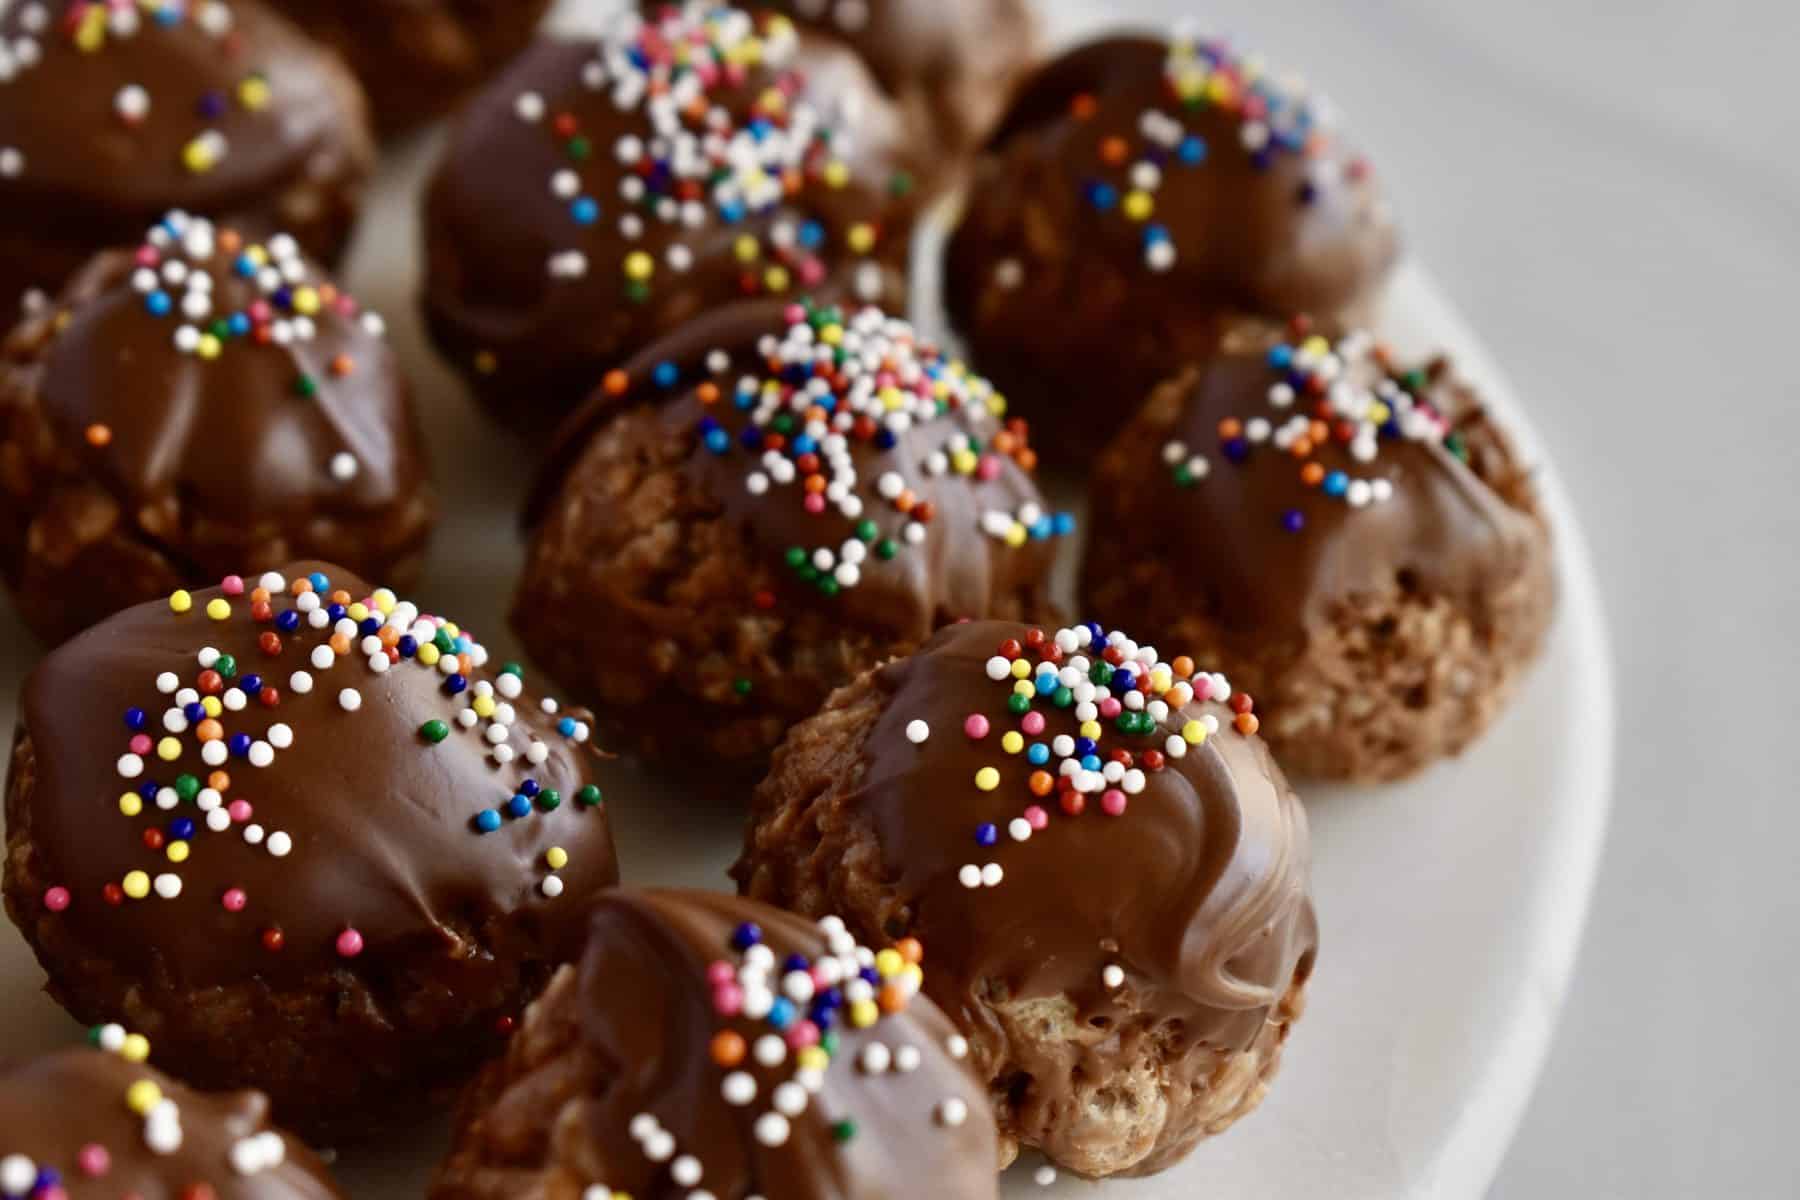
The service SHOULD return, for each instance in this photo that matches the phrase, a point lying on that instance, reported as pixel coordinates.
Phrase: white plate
(1451, 906)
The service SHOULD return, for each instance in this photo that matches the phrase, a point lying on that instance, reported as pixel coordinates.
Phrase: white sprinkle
(168, 886)
(343, 466)
(300, 683)
(553, 886)
(350, 699)
(907, 1059)
(875, 1059)
(772, 1129)
(130, 766)
(1113, 976)
(529, 106)
(953, 1112)
(739, 1089)
(12, 163)
(958, 1046)
(280, 844)
(917, 731)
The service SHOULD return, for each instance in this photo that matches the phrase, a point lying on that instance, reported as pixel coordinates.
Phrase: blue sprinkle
(566, 727)
(1102, 195)
(986, 835)
(1192, 151)
(369, 626)
(1091, 762)
(665, 375)
(245, 266)
(135, 718)
(182, 829)
(781, 1013)
(1336, 483)
(251, 684)
(408, 645)
(584, 210)
(746, 935)
(1237, 449)
(1065, 524)
(812, 235)
(1046, 683)
(1038, 754)
(519, 806)
(530, 787)
(1281, 356)
(1085, 746)
(718, 441)
(321, 584)
(240, 744)
(194, 712)
(487, 820)
(337, 612)
(456, 684)
(1293, 520)
(795, 962)
(158, 303)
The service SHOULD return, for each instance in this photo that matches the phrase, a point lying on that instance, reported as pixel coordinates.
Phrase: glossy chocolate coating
(418, 59)
(536, 342)
(55, 1107)
(88, 177)
(1444, 531)
(1056, 292)
(643, 1015)
(275, 448)
(382, 822)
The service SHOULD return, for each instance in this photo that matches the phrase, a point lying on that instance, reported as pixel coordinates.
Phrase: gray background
(1610, 190)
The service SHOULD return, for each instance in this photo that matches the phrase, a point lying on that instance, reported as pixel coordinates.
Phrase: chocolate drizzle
(55, 1107)
(381, 821)
(647, 1017)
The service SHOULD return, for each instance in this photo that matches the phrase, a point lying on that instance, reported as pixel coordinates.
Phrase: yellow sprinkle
(1090, 729)
(1013, 742)
(837, 174)
(639, 266)
(212, 705)
(1315, 345)
(1194, 732)
(136, 1048)
(209, 346)
(832, 334)
(258, 255)
(1020, 668)
(169, 749)
(253, 93)
(90, 35)
(1160, 681)
(912, 976)
(177, 852)
(428, 654)
(143, 1096)
(864, 1013)
(483, 706)
(198, 157)
(136, 885)
(385, 600)
(812, 1058)
(218, 608)
(888, 962)
(997, 404)
(987, 779)
(131, 804)
(306, 300)
(892, 398)
(776, 279)
(862, 237)
(963, 462)
(181, 601)
(1138, 206)
(1015, 537)
(358, 612)
(557, 857)
(1379, 413)
(1024, 687)
(452, 629)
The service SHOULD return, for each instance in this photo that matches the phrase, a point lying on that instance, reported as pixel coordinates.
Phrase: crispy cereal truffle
(111, 114)
(98, 1124)
(1355, 541)
(200, 405)
(1139, 193)
(949, 65)
(417, 58)
(597, 196)
(764, 505)
(1106, 862)
(708, 1046)
(302, 836)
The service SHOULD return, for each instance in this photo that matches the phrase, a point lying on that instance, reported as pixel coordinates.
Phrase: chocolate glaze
(493, 224)
(53, 1107)
(417, 59)
(646, 1015)
(89, 180)
(1198, 891)
(1445, 531)
(382, 822)
(1089, 326)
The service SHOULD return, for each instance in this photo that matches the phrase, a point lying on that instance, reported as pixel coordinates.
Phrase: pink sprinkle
(147, 256)
(812, 272)
(728, 1000)
(794, 314)
(56, 899)
(815, 503)
(976, 726)
(719, 973)
(140, 743)
(94, 1160)
(53, 1192)
(233, 585)
(1036, 817)
(260, 312)
(988, 468)
(1110, 707)
(1033, 723)
(349, 944)
(234, 900)
(239, 811)
(802, 1034)
(821, 980)
(1112, 802)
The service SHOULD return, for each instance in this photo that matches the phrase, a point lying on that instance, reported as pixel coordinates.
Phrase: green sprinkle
(867, 530)
(434, 731)
(580, 148)
(900, 183)
(1018, 705)
(843, 1131)
(741, 686)
(886, 548)
(1062, 697)
(829, 585)
(306, 387)
(549, 799)
(588, 796)
(226, 666)
(1183, 476)
(1457, 446)
(187, 787)
(796, 557)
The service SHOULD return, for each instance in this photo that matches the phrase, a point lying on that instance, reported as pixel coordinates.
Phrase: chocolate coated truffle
(201, 405)
(1108, 867)
(597, 196)
(113, 114)
(98, 1124)
(711, 1046)
(417, 58)
(1354, 541)
(305, 841)
(1138, 193)
(948, 65)
(761, 507)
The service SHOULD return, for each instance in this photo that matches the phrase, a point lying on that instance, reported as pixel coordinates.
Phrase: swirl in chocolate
(1299, 471)
(1139, 192)
(725, 1048)
(598, 195)
(113, 113)
(97, 1124)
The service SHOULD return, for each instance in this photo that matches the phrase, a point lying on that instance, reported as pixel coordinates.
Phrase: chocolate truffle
(200, 405)
(597, 196)
(710, 1046)
(949, 66)
(417, 58)
(303, 837)
(1355, 541)
(1108, 867)
(763, 506)
(98, 1124)
(1138, 193)
(112, 114)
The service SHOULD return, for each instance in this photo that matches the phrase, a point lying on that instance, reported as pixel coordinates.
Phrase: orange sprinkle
(1041, 783)
(340, 643)
(99, 435)
(1247, 723)
(1312, 474)
(259, 595)
(905, 500)
(389, 636)
(910, 949)
(728, 1048)
(1318, 431)
(342, 365)
(209, 730)
(1230, 427)
(219, 781)
(1114, 151)
(1302, 447)
(1004, 442)
(229, 240)
(1027, 458)
(892, 1000)
(300, 586)
(815, 483)
(1084, 106)
(708, 393)
(616, 383)
(1183, 666)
